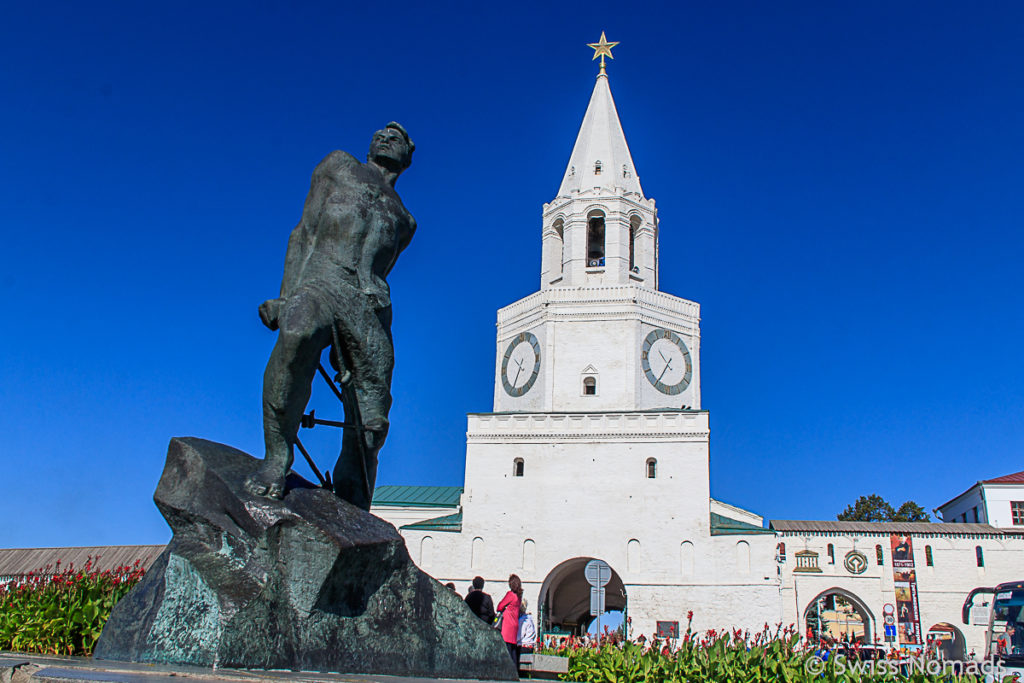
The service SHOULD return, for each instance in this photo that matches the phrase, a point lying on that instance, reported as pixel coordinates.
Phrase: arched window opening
(928, 556)
(595, 239)
(517, 467)
(529, 554)
(780, 553)
(426, 551)
(589, 386)
(633, 555)
(743, 557)
(476, 553)
(831, 554)
(686, 558)
(979, 555)
(652, 468)
(559, 227)
(879, 557)
(634, 228)
(597, 167)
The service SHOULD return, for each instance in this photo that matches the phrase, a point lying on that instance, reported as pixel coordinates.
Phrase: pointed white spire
(601, 156)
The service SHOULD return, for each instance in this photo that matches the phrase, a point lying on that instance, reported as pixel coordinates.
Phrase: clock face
(666, 362)
(520, 364)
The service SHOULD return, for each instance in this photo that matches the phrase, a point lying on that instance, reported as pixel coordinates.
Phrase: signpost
(598, 575)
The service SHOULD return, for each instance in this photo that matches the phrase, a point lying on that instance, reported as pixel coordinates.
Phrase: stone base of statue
(307, 583)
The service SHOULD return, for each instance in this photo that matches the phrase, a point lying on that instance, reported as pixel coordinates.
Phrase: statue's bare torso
(334, 293)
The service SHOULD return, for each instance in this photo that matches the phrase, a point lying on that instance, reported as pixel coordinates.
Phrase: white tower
(598, 335)
(597, 446)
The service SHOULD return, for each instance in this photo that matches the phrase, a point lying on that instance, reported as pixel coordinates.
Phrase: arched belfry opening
(564, 603)
(595, 238)
(838, 614)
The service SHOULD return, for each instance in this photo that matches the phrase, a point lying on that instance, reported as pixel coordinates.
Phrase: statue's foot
(266, 484)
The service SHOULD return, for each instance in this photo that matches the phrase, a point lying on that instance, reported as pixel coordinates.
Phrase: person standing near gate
(480, 602)
(509, 610)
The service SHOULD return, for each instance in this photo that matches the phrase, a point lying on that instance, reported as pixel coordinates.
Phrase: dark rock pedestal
(307, 583)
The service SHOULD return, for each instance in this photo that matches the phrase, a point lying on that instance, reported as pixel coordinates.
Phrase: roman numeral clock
(666, 362)
(521, 364)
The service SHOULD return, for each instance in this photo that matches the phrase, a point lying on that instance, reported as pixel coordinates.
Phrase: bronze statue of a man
(334, 294)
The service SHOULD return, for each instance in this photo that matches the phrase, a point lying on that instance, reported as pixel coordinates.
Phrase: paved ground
(31, 668)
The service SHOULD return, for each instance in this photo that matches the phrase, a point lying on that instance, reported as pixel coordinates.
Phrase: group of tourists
(518, 629)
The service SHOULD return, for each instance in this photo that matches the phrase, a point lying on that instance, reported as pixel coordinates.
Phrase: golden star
(602, 49)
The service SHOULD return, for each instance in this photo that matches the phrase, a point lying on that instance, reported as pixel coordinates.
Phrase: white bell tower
(598, 336)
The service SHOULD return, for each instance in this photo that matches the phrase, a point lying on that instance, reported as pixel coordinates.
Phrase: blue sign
(890, 630)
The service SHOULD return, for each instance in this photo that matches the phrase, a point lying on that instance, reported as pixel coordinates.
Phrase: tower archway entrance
(839, 615)
(564, 603)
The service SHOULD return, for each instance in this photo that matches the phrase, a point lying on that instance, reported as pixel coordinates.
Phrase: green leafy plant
(61, 612)
(732, 657)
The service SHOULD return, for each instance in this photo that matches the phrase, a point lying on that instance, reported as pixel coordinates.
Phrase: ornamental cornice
(589, 196)
(887, 534)
(630, 295)
(505, 437)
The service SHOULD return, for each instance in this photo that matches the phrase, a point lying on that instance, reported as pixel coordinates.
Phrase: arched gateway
(838, 614)
(564, 602)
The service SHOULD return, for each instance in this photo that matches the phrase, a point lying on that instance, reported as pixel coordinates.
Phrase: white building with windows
(999, 502)
(598, 447)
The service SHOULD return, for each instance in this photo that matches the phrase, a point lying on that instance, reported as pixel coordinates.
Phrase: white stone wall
(942, 588)
(597, 331)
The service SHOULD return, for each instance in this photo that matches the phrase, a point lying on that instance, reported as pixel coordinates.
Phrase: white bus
(1004, 640)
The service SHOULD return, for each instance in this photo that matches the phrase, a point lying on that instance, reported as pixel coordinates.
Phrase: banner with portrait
(904, 575)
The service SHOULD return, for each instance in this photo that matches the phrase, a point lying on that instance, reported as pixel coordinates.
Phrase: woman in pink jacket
(509, 610)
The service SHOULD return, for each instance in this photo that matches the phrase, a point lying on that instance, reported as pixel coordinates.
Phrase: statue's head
(392, 147)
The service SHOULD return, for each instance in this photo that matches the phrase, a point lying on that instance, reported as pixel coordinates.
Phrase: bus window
(1008, 622)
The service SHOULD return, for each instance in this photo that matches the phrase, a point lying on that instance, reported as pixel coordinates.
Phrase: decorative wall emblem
(855, 562)
(806, 562)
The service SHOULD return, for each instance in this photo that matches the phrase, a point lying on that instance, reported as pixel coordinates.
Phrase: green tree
(871, 508)
(910, 512)
(874, 508)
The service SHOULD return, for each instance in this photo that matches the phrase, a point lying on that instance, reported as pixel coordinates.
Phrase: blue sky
(839, 186)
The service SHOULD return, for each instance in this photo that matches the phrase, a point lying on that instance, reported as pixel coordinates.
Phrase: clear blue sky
(839, 185)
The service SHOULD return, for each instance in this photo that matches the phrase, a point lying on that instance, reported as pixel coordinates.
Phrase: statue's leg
(286, 387)
(372, 358)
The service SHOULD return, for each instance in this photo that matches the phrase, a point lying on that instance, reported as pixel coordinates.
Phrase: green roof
(723, 526)
(418, 496)
(446, 523)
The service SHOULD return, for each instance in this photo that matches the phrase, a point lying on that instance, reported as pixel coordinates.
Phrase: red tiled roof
(1017, 478)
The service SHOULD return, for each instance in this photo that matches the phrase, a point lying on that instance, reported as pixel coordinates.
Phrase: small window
(589, 386)
(1017, 512)
(979, 555)
(928, 556)
(879, 556)
(831, 554)
(780, 553)
(652, 468)
(975, 513)
(625, 171)
(597, 168)
(517, 467)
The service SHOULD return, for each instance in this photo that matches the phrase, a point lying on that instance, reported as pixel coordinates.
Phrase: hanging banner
(908, 616)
